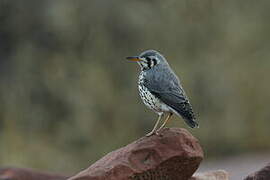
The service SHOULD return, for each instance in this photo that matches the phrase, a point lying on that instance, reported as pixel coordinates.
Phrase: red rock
(27, 174)
(211, 175)
(263, 174)
(174, 155)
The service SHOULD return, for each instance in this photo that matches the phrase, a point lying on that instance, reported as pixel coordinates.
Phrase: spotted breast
(149, 99)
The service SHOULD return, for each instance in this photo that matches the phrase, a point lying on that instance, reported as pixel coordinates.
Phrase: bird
(161, 91)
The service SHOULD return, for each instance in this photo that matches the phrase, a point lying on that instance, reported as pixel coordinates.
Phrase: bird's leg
(155, 127)
(165, 122)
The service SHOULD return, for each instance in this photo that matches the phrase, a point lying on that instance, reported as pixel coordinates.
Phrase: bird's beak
(134, 58)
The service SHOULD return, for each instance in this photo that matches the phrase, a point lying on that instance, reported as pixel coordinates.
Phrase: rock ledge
(173, 155)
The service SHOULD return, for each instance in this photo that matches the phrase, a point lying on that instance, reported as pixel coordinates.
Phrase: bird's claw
(152, 133)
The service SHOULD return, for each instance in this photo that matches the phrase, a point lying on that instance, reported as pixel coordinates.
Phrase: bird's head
(148, 59)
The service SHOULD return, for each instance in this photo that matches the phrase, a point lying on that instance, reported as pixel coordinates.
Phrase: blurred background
(68, 96)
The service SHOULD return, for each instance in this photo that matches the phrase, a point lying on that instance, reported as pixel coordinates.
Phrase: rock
(27, 174)
(211, 175)
(263, 174)
(173, 155)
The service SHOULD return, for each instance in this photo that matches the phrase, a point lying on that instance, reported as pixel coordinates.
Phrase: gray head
(149, 59)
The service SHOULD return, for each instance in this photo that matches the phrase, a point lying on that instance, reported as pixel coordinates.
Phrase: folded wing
(168, 89)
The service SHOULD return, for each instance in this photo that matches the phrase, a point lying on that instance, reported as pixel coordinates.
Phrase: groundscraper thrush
(161, 90)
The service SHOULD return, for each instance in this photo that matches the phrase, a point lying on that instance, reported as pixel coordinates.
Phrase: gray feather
(166, 86)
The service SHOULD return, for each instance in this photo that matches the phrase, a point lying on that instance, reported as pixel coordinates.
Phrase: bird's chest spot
(147, 97)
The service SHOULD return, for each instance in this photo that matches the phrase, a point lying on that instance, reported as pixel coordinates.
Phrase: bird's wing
(168, 89)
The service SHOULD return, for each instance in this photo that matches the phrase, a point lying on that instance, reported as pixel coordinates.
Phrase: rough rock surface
(27, 174)
(173, 155)
(211, 175)
(262, 174)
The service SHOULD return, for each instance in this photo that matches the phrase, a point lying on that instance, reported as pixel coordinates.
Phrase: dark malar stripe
(149, 63)
(155, 61)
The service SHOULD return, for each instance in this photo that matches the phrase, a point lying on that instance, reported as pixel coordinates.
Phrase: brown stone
(173, 155)
(211, 175)
(27, 174)
(263, 174)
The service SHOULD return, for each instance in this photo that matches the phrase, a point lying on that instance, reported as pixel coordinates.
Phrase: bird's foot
(151, 133)
(159, 129)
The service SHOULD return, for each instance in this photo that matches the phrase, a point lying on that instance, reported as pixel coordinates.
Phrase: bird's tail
(185, 110)
(191, 123)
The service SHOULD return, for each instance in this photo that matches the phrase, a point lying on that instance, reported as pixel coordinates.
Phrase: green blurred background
(68, 96)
